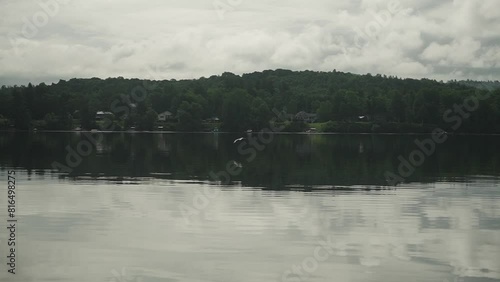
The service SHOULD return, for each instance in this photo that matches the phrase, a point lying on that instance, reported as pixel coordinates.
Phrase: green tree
(236, 111)
(325, 111)
(397, 108)
(189, 116)
(261, 114)
(148, 120)
(51, 121)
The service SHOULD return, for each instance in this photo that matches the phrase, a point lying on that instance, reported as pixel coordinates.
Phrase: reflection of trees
(306, 160)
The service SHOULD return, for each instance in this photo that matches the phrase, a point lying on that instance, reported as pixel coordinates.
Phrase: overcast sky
(164, 39)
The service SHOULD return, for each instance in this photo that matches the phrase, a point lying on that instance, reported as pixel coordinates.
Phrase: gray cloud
(453, 39)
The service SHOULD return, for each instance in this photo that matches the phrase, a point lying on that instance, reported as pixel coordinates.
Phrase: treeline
(365, 103)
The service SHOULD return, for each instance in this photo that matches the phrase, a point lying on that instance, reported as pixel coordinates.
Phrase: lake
(200, 207)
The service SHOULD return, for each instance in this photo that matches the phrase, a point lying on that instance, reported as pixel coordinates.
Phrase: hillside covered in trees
(331, 101)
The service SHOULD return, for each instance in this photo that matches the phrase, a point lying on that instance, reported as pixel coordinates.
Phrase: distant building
(306, 117)
(165, 116)
(102, 115)
(213, 120)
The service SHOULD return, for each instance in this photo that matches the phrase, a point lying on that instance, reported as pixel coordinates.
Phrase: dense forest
(331, 101)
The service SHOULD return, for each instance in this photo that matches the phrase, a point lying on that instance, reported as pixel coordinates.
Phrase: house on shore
(306, 117)
(166, 116)
(103, 115)
(213, 120)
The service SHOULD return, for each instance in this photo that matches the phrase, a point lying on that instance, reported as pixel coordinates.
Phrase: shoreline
(228, 132)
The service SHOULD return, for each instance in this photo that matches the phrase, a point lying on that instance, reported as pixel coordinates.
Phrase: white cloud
(463, 52)
(123, 38)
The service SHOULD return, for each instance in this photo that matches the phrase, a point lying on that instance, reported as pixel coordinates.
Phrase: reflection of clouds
(253, 234)
(401, 252)
(369, 261)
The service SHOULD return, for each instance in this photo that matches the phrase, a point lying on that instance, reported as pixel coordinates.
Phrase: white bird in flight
(237, 164)
(237, 140)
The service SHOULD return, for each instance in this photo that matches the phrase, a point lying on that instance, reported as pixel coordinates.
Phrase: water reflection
(88, 229)
(117, 216)
(300, 160)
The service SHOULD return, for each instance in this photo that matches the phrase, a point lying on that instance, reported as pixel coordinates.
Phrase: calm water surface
(144, 208)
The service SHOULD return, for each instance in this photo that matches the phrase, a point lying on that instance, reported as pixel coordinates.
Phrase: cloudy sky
(48, 40)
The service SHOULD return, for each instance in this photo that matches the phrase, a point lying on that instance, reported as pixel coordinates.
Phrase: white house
(165, 116)
(102, 115)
